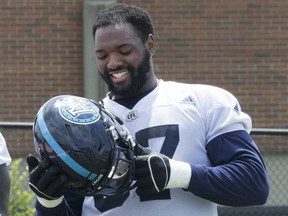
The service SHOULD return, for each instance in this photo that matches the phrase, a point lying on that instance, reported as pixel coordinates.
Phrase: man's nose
(114, 62)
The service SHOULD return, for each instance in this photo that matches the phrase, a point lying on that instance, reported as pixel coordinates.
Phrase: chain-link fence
(277, 203)
(276, 159)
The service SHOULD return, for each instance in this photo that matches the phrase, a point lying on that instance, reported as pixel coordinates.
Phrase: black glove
(140, 150)
(152, 173)
(46, 180)
(155, 172)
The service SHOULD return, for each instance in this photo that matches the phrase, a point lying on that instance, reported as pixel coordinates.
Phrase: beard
(138, 77)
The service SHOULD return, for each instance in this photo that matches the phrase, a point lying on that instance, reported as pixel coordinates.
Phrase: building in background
(46, 49)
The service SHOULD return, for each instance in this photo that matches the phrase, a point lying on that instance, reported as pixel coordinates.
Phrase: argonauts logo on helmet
(79, 110)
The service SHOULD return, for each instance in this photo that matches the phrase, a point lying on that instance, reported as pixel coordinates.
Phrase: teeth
(118, 75)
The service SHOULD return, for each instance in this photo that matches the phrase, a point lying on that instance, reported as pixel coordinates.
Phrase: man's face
(122, 59)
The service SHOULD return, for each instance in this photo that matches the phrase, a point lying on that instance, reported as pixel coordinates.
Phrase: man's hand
(155, 172)
(152, 173)
(46, 180)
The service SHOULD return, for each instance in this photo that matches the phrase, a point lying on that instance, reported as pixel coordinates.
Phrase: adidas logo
(236, 109)
(188, 100)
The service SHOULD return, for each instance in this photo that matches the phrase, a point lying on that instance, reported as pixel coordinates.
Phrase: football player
(5, 160)
(200, 151)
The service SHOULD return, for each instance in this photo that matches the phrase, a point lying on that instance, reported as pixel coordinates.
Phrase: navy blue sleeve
(71, 206)
(238, 175)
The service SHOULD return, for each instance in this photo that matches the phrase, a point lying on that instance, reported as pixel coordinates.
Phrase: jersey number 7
(170, 133)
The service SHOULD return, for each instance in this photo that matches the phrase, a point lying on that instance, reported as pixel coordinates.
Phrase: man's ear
(150, 44)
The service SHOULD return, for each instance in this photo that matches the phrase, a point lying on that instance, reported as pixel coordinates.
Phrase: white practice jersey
(4, 154)
(177, 120)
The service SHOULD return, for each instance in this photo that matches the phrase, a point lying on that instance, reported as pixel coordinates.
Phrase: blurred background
(46, 49)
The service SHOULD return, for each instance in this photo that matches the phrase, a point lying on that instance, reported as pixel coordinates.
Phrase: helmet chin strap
(119, 128)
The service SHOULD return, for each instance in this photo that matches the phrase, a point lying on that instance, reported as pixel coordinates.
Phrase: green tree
(21, 202)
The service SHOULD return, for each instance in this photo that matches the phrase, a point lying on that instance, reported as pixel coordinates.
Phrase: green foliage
(21, 202)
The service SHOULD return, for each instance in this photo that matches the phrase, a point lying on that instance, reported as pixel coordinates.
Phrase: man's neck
(130, 102)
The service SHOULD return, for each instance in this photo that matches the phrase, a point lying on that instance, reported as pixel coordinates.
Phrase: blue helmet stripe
(60, 152)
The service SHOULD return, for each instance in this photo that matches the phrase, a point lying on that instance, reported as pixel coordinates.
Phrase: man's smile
(119, 76)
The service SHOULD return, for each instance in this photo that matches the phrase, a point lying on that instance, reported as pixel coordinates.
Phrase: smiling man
(196, 149)
(125, 61)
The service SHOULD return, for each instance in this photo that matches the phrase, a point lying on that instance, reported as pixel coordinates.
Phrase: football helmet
(91, 145)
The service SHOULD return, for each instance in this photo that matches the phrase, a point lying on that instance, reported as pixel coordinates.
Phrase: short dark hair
(122, 13)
